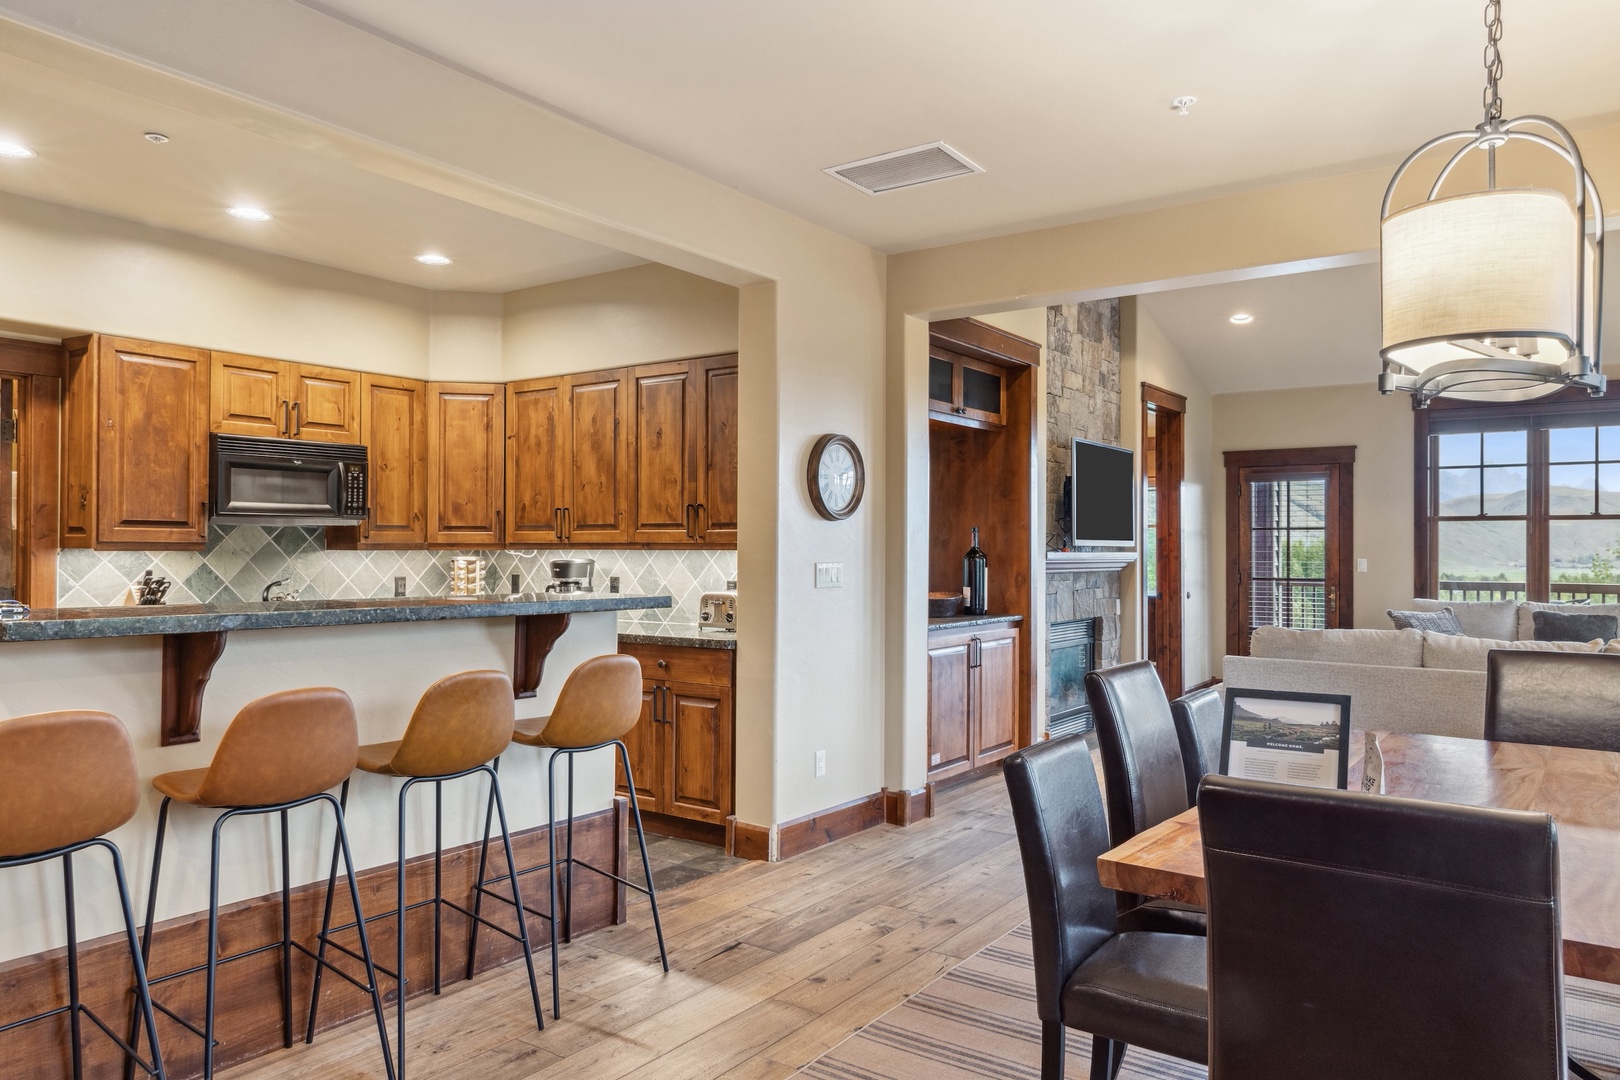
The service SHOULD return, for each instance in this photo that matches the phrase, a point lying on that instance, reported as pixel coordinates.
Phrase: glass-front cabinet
(966, 391)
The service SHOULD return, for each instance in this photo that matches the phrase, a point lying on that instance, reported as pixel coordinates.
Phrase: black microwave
(285, 482)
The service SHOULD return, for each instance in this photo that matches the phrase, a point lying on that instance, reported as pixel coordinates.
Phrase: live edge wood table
(1579, 788)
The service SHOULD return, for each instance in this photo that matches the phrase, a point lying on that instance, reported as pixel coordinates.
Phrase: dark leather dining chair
(1355, 936)
(1553, 698)
(1199, 717)
(1135, 988)
(1142, 773)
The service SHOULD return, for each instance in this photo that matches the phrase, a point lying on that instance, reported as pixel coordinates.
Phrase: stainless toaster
(718, 611)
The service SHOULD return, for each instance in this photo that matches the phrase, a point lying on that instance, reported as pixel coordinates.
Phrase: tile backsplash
(241, 560)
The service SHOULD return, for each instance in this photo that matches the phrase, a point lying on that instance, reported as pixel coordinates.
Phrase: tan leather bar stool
(461, 724)
(66, 778)
(599, 703)
(281, 752)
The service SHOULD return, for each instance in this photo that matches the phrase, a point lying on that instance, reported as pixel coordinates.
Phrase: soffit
(1065, 104)
(92, 156)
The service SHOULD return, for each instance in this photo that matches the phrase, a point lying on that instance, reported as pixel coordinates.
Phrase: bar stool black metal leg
(517, 904)
(286, 938)
(73, 966)
(568, 861)
(646, 864)
(213, 950)
(438, 881)
(551, 877)
(326, 922)
(151, 911)
(483, 867)
(399, 1003)
(143, 990)
(365, 940)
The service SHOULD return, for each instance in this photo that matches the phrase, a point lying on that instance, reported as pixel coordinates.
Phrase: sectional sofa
(1403, 680)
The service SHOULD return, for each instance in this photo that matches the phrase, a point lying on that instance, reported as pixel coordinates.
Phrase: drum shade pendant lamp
(1493, 293)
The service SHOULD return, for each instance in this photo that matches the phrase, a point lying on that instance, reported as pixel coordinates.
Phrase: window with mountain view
(1524, 508)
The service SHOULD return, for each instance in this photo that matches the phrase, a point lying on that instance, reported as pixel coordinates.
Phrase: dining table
(1579, 788)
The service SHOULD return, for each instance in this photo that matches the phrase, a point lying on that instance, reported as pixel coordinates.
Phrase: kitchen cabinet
(681, 748)
(135, 445)
(972, 698)
(966, 391)
(252, 395)
(568, 459)
(466, 464)
(393, 428)
(685, 447)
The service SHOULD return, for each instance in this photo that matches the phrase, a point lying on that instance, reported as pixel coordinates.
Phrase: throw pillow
(1443, 621)
(1570, 626)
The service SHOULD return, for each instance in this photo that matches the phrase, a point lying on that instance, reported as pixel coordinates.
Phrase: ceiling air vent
(904, 168)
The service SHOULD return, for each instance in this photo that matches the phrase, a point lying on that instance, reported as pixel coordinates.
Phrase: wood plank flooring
(771, 964)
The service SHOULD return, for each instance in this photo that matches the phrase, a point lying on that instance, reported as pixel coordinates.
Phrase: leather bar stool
(599, 703)
(281, 752)
(461, 725)
(66, 778)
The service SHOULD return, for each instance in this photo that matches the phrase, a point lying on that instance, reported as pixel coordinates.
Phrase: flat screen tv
(1102, 486)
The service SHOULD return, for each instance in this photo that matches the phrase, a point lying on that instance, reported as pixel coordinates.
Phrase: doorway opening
(1164, 467)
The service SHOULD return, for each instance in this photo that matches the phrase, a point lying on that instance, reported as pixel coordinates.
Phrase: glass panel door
(1288, 532)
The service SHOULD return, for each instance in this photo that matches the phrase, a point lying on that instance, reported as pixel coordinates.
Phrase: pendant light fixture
(1493, 293)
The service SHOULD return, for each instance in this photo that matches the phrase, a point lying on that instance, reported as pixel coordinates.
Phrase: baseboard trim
(748, 841)
(824, 826)
(249, 991)
(906, 807)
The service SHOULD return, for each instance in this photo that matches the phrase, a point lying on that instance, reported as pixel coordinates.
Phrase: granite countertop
(686, 634)
(56, 624)
(955, 622)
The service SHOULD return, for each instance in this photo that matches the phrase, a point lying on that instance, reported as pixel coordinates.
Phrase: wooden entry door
(1164, 466)
(1288, 541)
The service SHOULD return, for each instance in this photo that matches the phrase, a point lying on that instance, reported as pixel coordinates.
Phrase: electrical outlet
(821, 763)
(399, 586)
(517, 585)
(613, 584)
(829, 575)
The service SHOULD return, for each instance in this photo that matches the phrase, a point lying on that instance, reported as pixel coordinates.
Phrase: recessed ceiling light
(155, 137)
(430, 259)
(15, 150)
(1241, 318)
(249, 213)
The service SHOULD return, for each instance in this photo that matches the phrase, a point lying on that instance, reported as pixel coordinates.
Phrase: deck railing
(1563, 592)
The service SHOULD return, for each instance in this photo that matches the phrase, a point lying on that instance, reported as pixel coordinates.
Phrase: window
(1523, 502)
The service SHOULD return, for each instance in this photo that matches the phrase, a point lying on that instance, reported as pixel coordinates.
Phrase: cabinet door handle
(286, 418)
(568, 523)
(703, 521)
(297, 418)
(500, 525)
(556, 522)
(691, 508)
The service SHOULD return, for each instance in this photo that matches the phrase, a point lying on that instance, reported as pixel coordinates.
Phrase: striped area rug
(977, 1021)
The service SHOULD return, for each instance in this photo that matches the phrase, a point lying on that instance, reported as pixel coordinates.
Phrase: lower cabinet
(681, 748)
(972, 698)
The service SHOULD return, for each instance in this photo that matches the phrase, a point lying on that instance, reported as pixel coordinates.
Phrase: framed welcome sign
(1287, 737)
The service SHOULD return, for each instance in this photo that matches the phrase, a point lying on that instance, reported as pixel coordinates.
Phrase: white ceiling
(1064, 102)
(92, 155)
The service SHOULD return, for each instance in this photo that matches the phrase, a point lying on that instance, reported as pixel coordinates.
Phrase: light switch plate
(821, 763)
(829, 575)
(1361, 566)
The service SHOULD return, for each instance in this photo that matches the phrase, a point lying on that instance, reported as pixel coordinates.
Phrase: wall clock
(836, 476)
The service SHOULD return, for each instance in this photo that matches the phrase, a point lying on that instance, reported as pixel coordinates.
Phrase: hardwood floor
(771, 964)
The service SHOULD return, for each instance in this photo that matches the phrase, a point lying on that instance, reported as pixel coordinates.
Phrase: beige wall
(632, 316)
(1147, 356)
(74, 272)
(1380, 428)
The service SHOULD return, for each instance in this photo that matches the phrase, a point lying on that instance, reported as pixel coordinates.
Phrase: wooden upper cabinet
(717, 479)
(252, 395)
(666, 444)
(393, 427)
(466, 464)
(534, 473)
(596, 458)
(325, 403)
(139, 477)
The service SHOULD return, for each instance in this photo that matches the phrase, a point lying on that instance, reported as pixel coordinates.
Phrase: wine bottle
(975, 579)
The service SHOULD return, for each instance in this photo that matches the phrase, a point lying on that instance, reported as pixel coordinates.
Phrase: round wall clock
(836, 476)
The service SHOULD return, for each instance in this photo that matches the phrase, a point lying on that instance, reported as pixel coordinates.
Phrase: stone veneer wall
(241, 560)
(1082, 401)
